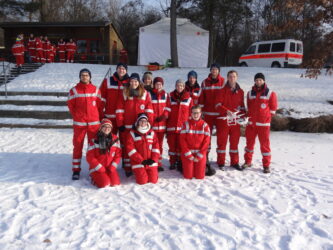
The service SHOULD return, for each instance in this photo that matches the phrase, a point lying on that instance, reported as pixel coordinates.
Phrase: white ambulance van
(277, 53)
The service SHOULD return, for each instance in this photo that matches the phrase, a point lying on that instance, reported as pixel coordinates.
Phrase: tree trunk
(211, 33)
(173, 34)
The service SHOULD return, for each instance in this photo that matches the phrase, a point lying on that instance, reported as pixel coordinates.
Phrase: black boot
(19, 69)
(179, 166)
(239, 168)
(128, 174)
(266, 170)
(209, 170)
(160, 169)
(222, 167)
(76, 176)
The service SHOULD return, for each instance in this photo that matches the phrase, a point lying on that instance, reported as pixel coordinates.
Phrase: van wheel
(276, 65)
(243, 64)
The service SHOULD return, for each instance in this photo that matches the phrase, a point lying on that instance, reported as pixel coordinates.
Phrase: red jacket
(209, 90)
(159, 101)
(47, 46)
(85, 104)
(61, 47)
(177, 110)
(70, 47)
(18, 49)
(142, 147)
(261, 105)
(128, 109)
(194, 138)
(194, 91)
(101, 162)
(111, 91)
(32, 44)
(39, 44)
(228, 99)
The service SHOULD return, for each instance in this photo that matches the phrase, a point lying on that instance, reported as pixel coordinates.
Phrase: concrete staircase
(34, 110)
(26, 68)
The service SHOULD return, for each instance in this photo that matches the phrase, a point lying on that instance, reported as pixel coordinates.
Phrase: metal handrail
(5, 69)
(106, 75)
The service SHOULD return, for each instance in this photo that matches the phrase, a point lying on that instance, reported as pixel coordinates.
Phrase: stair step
(36, 114)
(33, 102)
(33, 93)
(41, 126)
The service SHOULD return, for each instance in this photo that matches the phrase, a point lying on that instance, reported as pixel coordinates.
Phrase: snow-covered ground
(291, 208)
(42, 208)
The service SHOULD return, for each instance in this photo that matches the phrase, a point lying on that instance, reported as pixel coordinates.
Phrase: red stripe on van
(281, 55)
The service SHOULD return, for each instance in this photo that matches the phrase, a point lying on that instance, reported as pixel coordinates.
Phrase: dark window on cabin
(299, 48)
(250, 50)
(94, 46)
(278, 47)
(81, 46)
(264, 48)
(292, 47)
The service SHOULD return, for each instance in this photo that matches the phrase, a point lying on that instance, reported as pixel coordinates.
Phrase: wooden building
(97, 42)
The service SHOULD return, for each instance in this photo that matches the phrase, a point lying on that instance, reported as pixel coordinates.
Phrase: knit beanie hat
(140, 117)
(135, 76)
(158, 79)
(122, 65)
(259, 75)
(215, 65)
(193, 74)
(85, 71)
(105, 122)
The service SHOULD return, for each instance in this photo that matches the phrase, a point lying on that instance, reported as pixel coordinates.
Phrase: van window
(251, 50)
(263, 48)
(278, 47)
(299, 48)
(292, 47)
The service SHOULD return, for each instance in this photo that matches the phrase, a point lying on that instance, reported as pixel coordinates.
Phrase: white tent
(192, 43)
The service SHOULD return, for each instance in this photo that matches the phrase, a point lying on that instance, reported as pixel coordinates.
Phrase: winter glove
(144, 162)
(160, 118)
(150, 162)
(121, 128)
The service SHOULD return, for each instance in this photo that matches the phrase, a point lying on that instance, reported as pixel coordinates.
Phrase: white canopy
(192, 43)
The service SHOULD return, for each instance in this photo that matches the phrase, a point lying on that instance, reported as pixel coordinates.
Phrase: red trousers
(108, 178)
(194, 169)
(78, 141)
(19, 60)
(126, 160)
(211, 121)
(174, 147)
(70, 56)
(62, 57)
(251, 133)
(40, 56)
(223, 132)
(47, 56)
(32, 54)
(160, 137)
(146, 174)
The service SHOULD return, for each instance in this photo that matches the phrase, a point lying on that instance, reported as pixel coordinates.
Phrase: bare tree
(173, 33)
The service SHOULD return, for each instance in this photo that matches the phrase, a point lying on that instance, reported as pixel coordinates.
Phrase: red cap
(106, 122)
(158, 79)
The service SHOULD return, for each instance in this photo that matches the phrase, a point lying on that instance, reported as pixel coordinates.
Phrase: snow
(291, 208)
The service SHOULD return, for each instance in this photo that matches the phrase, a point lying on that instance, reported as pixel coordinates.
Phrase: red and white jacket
(159, 101)
(39, 44)
(261, 105)
(194, 139)
(61, 47)
(47, 46)
(177, 110)
(142, 147)
(32, 44)
(230, 100)
(194, 91)
(18, 49)
(71, 47)
(102, 162)
(85, 104)
(111, 90)
(128, 109)
(209, 90)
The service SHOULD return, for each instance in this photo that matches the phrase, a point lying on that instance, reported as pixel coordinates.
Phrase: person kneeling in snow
(103, 156)
(143, 150)
(194, 142)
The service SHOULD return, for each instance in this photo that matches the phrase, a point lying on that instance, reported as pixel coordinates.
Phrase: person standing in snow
(143, 150)
(133, 101)
(230, 105)
(61, 50)
(159, 98)
(111, 88)
(39, 50)
(18, 52)
(210, 88)
(86, 107)
(32, 48)
(103, 156)
(192, 86)
(70, 50)
(262, 105)
(194, 141)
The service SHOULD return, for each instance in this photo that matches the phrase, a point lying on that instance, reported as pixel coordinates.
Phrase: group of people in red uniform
(142, 113)
(42, 50)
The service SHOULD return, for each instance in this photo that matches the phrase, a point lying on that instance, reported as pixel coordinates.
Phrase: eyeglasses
(196, 113)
